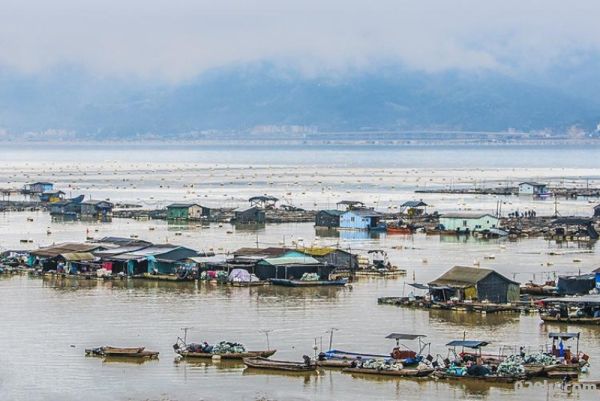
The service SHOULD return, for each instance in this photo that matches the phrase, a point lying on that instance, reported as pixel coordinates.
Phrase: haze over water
(45, 324)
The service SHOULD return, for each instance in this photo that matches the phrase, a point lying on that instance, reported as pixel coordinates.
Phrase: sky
(177, 40)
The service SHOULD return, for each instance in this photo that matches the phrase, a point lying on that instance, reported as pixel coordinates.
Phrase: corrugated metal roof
(182, 205)
(317, 251)
(292, 260)
(466, 215)
(67, 247)
(77, 256)
(463, 276)
(333, 212)
(414, 204)
(271, 251)
(365, 212)
(533, 183)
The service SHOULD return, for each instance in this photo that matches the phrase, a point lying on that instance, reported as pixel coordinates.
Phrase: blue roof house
(360, 219)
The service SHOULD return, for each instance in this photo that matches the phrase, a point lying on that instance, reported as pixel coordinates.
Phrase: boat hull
(263, 363)
(398, 373)
(239, 356)
(300, 283)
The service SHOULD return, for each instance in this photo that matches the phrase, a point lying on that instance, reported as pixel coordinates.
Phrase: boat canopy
(400, 336)
(563, 336)
(468, 344)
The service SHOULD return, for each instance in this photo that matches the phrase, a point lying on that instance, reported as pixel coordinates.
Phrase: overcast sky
(179, 39)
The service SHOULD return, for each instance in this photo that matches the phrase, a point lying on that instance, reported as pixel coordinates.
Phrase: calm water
(45, 324)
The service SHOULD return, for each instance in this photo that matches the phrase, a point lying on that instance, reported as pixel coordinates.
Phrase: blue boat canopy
(468, 343)
(400, 336)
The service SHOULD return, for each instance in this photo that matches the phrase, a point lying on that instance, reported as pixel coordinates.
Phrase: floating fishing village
(330, 262)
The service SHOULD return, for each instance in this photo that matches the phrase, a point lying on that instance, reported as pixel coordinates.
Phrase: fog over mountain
(164, 68)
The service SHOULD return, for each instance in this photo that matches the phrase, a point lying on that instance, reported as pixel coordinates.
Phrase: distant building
(328, 218)
(468, 222)
(532, 188)
(253, 215)
(349, 205)
(38, 187)
(52, 196)
(474, 283)
(96, 209)
(360, 219)
(184, 211)
(414, 207)
(65, 208)
(263, 201)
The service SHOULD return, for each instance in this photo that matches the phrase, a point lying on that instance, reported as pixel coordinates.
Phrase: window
(352, 219)
(464, 223)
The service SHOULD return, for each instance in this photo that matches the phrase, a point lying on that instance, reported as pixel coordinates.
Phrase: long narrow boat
(344, 359)
(573, 320)
(288, 366)
(133, 352)
(238, 356)
(307, 283)
(398, 373)
(489, 378)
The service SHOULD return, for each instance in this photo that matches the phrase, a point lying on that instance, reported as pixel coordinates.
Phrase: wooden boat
(489, 378)
(573, 320)
(398, 373)
(399, 230)
(134, 352)
(336, 363)
(306, 283)
(248, 283)
(560, 374)
(380, 272)
(238, 356)
(288, 366)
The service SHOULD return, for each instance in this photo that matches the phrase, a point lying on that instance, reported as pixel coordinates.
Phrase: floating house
(184, 211)
(153, 259)
(349, 205)
(52, 196)
(532, 188)
(474, 283)
(253, 215)
(263, 202)
(49, 257)
(96, 208)
(333, 256)
(38, 187)
(468, 222)
(328, 218)
(291, 267)
(577, 226)
(360, 219)
(576, 285)
(65, 208)
(414, 208)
